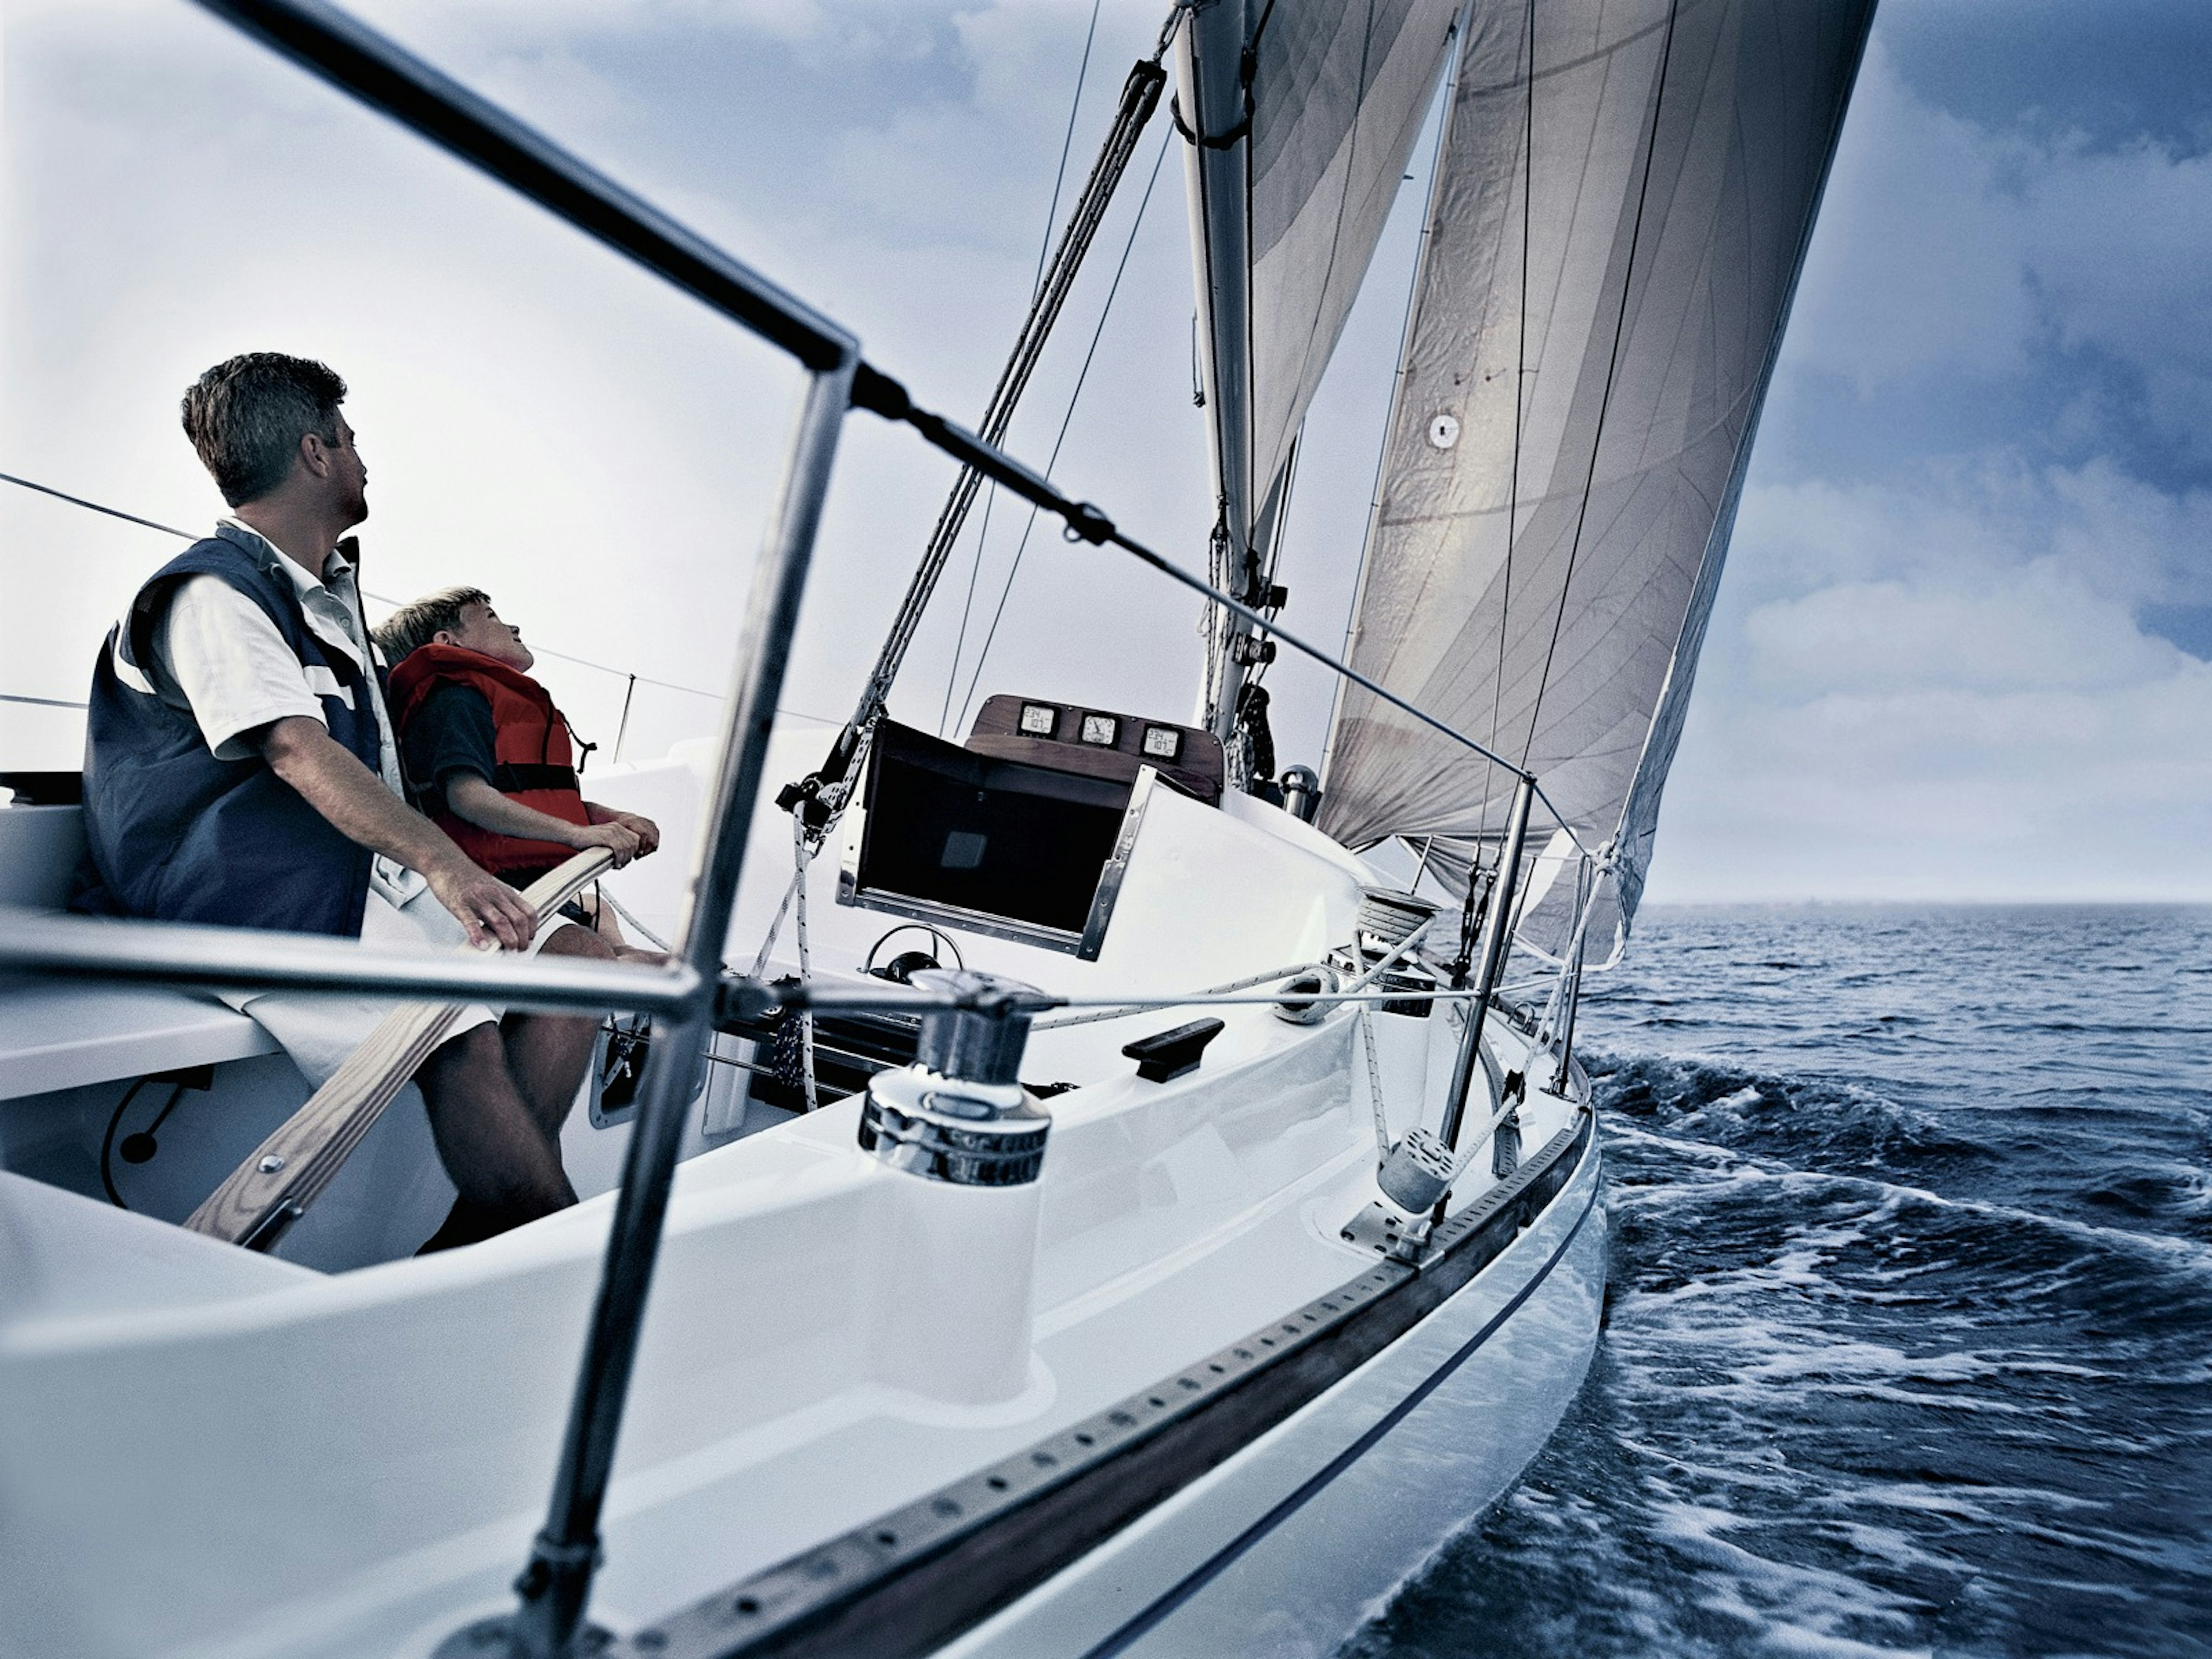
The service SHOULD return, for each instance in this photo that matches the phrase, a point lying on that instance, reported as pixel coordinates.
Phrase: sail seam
(1611, 368)
(1415, 290)
(1520, 393)
(1724, 522)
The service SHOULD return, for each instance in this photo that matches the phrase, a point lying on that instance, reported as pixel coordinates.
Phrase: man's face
(483, 633)
(348, 478)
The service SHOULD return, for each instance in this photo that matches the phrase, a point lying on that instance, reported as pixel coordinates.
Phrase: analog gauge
(1102, 729)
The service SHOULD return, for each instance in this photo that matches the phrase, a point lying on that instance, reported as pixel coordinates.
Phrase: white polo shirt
(218, 654)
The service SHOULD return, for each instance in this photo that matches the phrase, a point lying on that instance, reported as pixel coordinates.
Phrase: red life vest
(536, 765)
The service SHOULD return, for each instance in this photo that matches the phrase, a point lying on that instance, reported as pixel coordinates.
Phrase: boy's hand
(618, 838)
(647, 831)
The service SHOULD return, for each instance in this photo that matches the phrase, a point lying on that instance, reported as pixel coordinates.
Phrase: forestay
(1305, 113)
(1619, 216)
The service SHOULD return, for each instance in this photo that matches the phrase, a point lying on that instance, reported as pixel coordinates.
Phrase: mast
(1214, 114)
(1300, 116)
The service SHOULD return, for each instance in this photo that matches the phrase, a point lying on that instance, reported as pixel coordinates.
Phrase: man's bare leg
(548, 1054)
(507, 1168)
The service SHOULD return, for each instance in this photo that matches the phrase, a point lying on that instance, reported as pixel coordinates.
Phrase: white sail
(1303, 113)
(1620, 219)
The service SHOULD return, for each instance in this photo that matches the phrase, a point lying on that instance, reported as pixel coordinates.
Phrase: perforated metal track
(916, 1578)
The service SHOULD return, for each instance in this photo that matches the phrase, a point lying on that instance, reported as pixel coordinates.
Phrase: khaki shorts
(320, 1029)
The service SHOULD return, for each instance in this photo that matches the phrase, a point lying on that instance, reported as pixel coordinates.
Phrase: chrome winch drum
(1387, 920)
(1417, 1173)
(959, 1115)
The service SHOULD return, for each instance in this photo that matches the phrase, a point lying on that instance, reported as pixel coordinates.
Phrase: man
(240, 770)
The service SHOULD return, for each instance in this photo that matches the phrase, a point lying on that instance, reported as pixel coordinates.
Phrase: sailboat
(1077, 1203)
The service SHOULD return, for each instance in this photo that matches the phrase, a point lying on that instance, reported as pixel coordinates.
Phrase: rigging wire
(1098, 333)
(185, 535)
(1036, 291)
(1397, 381)
(967, 609)
(1066, 146)
(822, 794)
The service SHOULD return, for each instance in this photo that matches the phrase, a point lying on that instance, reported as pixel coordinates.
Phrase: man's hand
(647, 831)
(493, 913)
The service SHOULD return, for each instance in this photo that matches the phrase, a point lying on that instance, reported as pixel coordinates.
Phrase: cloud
(540, 416)
(2043, 280)
(1961, 646)
(1944, 686)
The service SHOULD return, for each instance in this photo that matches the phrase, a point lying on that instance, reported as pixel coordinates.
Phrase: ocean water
(1909, 1342)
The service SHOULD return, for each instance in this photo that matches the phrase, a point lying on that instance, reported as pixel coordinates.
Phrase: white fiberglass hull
(1283, 1551)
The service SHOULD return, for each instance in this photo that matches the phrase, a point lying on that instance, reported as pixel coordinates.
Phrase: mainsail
(1619, 216)
(1301, 115)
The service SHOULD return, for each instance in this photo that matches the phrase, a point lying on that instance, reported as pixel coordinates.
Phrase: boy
(487, 753)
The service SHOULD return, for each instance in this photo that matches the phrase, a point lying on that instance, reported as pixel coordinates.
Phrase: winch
(959, 1113)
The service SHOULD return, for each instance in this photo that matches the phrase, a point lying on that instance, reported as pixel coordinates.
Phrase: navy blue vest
(172, 833)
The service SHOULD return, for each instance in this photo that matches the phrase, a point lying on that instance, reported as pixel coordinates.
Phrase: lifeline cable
(186, 535)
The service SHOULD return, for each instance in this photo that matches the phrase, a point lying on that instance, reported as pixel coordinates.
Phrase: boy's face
(482, 632)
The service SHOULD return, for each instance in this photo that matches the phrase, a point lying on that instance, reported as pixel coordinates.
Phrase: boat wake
(1878, 1377)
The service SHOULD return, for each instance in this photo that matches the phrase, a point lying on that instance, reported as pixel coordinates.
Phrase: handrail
(173, 953)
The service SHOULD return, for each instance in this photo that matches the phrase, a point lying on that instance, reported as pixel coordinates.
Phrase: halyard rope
(1374, 1085)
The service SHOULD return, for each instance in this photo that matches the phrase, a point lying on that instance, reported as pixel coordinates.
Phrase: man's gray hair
(416, 624)
(246, 416)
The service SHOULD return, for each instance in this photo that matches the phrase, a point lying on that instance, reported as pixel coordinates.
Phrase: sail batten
(1627, 189)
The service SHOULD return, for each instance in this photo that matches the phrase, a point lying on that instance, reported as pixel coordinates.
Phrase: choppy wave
(1908, 1345)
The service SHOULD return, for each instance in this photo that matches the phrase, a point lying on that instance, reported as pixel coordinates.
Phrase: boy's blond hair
(413, 625)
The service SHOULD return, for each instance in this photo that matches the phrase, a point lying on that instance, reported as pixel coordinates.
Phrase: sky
(1963, 649)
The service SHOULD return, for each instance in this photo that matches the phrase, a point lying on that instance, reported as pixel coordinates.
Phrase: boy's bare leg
(508, 1170)
(608, 928)
(549, 1054)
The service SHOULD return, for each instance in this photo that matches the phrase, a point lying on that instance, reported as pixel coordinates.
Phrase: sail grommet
(960, 1115)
